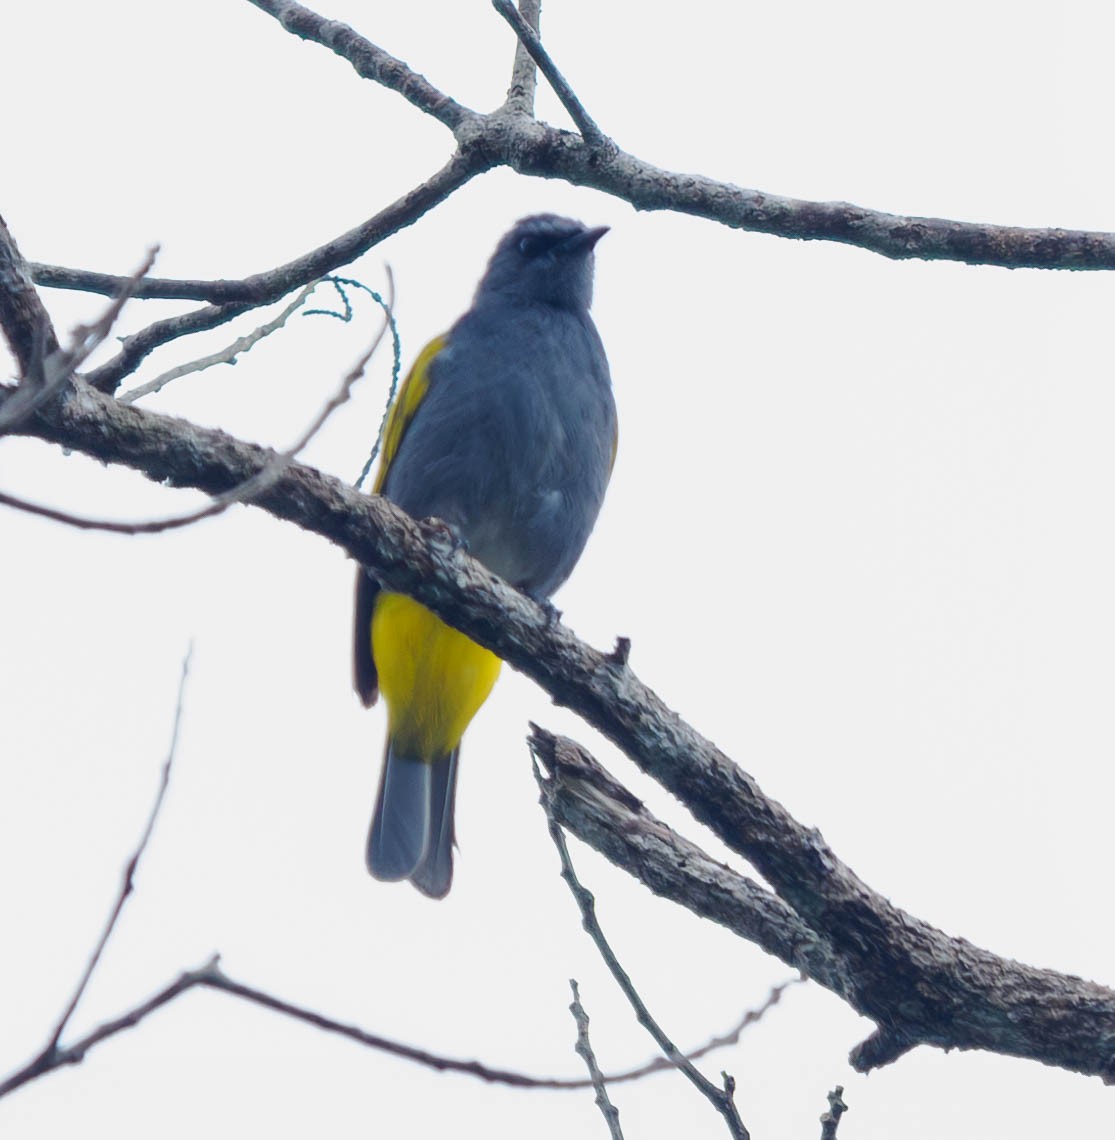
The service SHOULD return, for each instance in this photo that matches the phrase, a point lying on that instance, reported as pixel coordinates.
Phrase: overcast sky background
(859, 534)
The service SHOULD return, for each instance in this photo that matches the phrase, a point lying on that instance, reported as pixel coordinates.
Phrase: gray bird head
(544, 258)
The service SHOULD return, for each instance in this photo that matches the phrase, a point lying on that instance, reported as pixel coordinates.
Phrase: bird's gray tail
(412, 828)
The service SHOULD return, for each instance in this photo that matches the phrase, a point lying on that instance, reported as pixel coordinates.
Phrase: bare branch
(50, 374)
(226, 355)
(831, 1119)
(249, 488)
(23, 317)
(127, 883)
(74, 1054)
(267, 287)
(212, 976)
(751, 1017)
(524, 74)
(368, 60)
(721, 1099)
(511, 137)
(584, 1051)
(528, 37)
(922, 985)
(588, 801)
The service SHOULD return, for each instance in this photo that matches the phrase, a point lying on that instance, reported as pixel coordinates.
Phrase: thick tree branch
(510, 137)
(920, 985)
(590, 803)
(23, 317)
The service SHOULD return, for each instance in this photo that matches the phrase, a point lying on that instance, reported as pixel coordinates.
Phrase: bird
(505, 431)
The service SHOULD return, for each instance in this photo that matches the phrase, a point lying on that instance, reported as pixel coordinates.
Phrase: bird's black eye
(534, 245)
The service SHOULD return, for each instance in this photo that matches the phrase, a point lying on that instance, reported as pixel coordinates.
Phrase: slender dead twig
(831, 1119)
(227, 355)
(127, 883)
(267, 287)
(721, 1099)
(751, 1017)
(584, 1051)
(528, 37)
(74, 1054)
(212, 976)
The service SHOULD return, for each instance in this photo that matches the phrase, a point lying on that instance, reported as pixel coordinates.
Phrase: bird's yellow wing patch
(406, 404)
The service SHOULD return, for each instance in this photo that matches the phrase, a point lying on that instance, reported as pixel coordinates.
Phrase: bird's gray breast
(513, 442)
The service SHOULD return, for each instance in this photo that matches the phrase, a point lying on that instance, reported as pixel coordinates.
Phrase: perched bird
(505, 429)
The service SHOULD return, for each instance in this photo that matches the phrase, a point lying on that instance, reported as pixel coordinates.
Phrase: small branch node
(831, 1119)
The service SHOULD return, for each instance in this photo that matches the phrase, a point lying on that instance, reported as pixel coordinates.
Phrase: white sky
(859, 533)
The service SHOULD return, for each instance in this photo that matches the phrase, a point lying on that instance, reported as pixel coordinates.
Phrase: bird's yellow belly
(433, 678)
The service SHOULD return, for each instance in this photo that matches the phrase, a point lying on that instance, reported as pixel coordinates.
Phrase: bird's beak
(584, 241)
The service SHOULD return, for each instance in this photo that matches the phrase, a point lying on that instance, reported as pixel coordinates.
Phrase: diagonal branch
(127, 884)
(227, 355)
(267, 287)
(512, 137)
(587, 801)
(721, 1099)
(528, 38)
(251, 486)
(368, 60)
(918, 984)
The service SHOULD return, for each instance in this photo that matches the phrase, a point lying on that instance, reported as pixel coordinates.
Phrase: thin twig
(584, 1051)
(74, 1054)
(590, 132)
(127, 883)
(265, 288)
(254, 485)
(226, 355)
(721, 1099)
(212, 976)
(662, 1064)
(47, 374)
(524, 73)
(831, 1119)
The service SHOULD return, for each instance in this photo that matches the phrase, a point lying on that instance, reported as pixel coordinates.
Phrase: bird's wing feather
(417, 383)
